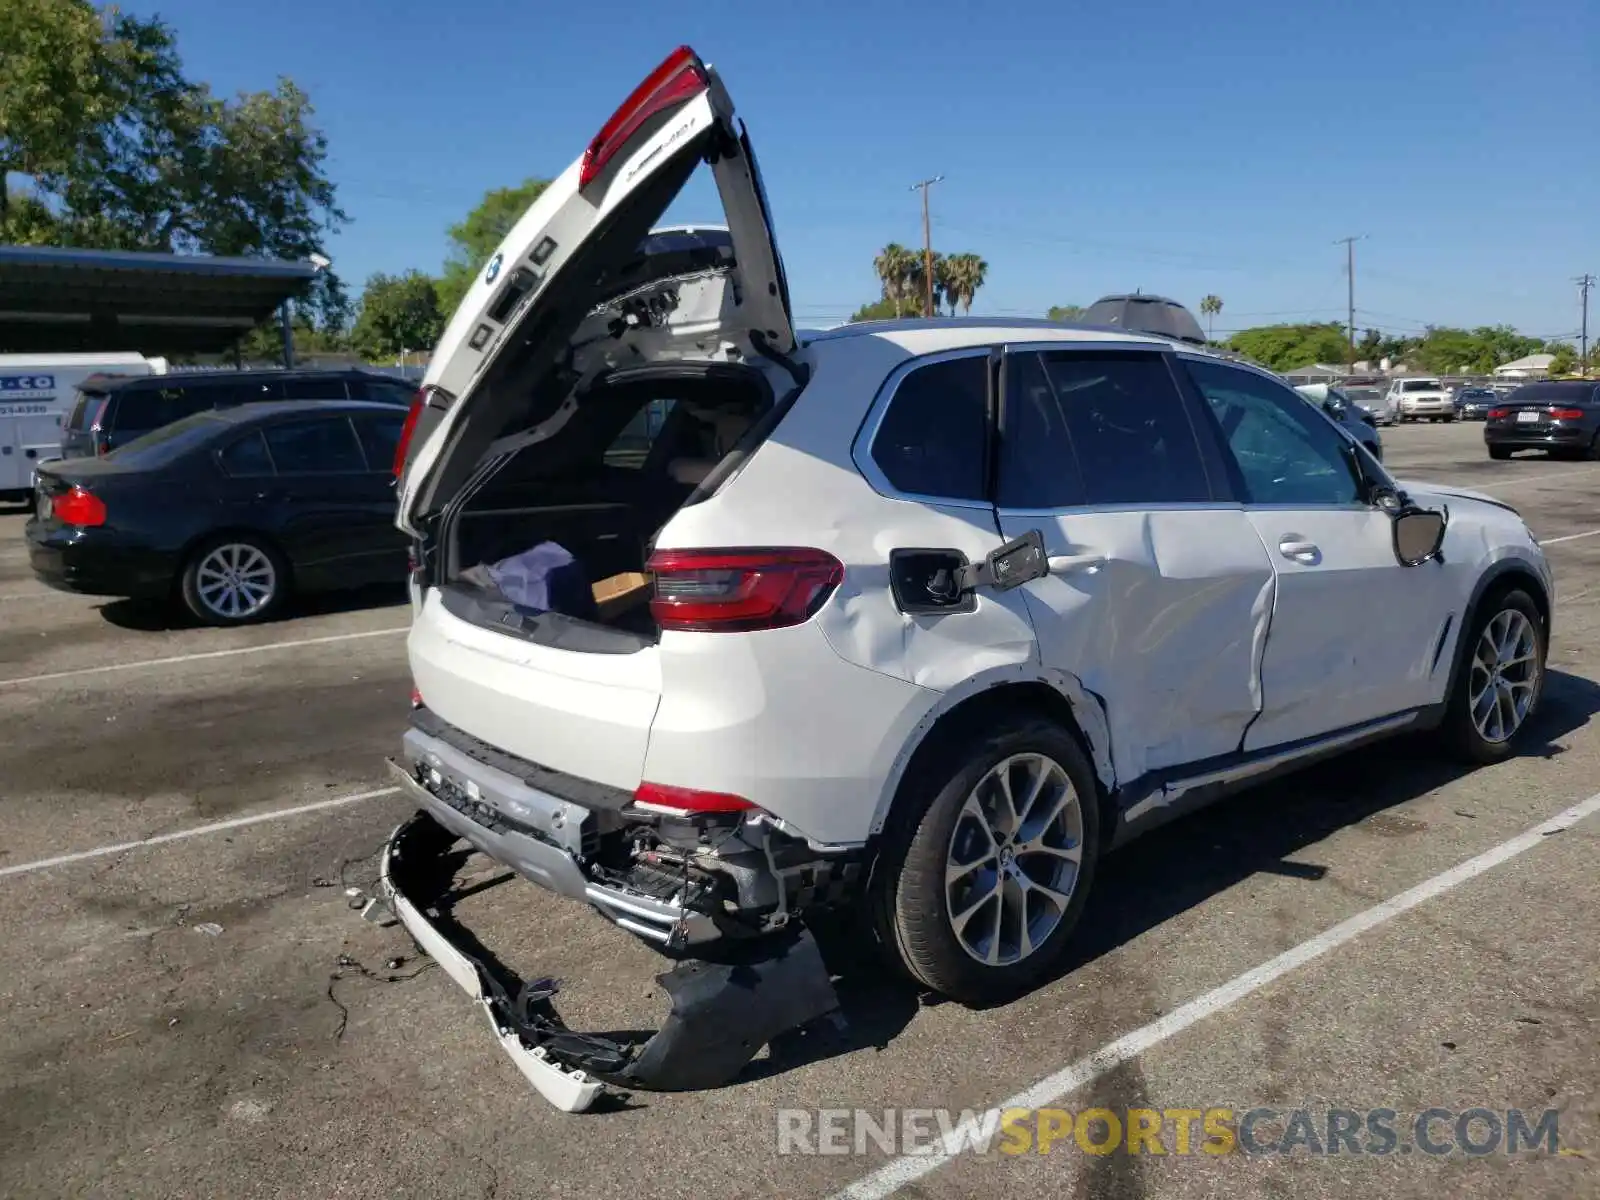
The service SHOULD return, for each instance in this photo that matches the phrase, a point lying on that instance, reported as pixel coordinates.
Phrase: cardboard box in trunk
(619, 593)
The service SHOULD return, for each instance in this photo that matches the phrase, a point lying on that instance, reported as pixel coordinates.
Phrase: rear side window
(631, 447)
(313, 389)
(1098, 429)
(380, 438)
(932, 439)
(319, 446)
(87, 405)
(379, 389)
(247, 456)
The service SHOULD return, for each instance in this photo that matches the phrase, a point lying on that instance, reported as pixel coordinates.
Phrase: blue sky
(1180, 148)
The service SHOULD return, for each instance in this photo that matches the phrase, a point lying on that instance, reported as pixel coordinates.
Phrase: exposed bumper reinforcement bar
(723, 1013)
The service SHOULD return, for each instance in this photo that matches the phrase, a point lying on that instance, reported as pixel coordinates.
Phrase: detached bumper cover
(723, 1013)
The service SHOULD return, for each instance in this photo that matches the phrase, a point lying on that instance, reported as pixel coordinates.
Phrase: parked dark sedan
(1561, 417)
(228, 511)
(1474, 403)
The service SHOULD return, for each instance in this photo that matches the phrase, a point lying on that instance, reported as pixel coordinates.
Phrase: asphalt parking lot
(204, 1014)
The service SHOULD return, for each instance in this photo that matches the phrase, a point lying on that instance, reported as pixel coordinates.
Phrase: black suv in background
(113, 410)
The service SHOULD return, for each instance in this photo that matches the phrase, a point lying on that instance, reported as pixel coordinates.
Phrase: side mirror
(1333, 408)
(1418, 535)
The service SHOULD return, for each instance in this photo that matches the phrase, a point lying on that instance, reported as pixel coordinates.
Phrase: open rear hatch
(569, 312)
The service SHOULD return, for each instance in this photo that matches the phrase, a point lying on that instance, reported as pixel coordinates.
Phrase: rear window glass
(318, 446)
(152, 407)
(313, 389)
(932, 439)
(381, 390)
(168, 443)
(1569, 393)
(247, 456)
(1422, 385)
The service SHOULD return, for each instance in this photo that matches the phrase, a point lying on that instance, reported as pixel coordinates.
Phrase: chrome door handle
(1060, 564)
(1292, 545)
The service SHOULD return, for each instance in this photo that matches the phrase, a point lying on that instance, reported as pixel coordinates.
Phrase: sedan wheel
(234, 581)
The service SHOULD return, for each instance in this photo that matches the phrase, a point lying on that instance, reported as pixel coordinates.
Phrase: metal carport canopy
(55, 300)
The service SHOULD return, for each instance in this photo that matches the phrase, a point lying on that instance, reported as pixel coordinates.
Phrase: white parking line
(179, 658)
(1569, 537)
(899, 1172)
(44, 864)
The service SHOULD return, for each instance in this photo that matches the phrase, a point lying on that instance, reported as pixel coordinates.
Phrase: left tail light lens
(734, 591)
(687, 802)
(78, 507)
(403, 446)
(1498, 414)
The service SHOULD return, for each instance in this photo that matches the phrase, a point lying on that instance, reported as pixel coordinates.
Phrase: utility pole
(927, 245)
(1349, 244)
(1584, 282)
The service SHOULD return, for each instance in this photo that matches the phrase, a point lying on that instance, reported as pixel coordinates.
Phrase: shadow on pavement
(158, 616)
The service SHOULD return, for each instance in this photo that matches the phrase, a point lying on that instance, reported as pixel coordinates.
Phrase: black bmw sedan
(228, 511)
(1561, 417)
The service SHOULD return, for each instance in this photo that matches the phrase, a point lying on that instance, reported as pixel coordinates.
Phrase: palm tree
(1210, 307)
(967, 274)
(894, 266)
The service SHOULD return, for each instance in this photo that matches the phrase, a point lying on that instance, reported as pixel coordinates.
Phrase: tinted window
(165, 445)
(380, 389)
(247, 456)
(631, 447)
(152, 407)
(931, 441)
(313, 389)
(1100, 429)
(380, 438)
(318, 446)
(88, 403)
(1285, 451)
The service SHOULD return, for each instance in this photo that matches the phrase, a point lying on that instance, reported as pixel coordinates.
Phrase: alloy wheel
(1014, 859)
(1504, 675)
(236, 580)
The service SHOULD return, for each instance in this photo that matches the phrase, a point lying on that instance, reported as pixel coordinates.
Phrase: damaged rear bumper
(722, 1014)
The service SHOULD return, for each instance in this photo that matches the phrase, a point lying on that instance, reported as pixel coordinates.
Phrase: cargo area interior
(638, 447)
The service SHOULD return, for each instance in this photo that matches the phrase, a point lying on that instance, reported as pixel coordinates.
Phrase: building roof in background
(1531, 362)
(54, 299)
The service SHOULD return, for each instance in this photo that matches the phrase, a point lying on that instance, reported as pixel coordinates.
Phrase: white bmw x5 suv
(718, 626)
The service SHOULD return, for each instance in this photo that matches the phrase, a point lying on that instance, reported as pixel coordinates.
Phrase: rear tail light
(1496, 414)
(416, 696)
(410, 427)
(687, 802)
(680, 77)
(731, 591)
(1567, 414)
(78, 507)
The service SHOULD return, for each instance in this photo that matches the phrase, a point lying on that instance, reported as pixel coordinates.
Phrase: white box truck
(37, 391)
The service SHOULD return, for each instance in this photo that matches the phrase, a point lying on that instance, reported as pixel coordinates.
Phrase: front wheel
(1500, 681)
(989, 860)
(238, 579)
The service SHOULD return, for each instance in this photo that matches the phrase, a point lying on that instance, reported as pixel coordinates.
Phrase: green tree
(1065, 312)
(1565, 360)
(1370, 348)
(1210, 306)
(1285, 347)
(398, 312)
(116, 147)
(478, 236)
(895, 266)
(883, 309)
(968, 273)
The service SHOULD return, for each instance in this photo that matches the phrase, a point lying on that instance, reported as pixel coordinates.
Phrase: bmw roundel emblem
(494, 268)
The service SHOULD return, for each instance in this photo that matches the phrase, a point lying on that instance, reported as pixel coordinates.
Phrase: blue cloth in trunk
(546, 579)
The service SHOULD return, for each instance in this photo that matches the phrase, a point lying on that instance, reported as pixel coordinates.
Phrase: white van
(37, 392)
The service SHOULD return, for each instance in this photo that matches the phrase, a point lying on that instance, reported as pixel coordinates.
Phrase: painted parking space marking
(902, 1171)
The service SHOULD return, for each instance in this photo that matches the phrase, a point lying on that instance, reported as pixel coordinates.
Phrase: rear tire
(1017, 882)
(1500, 680)
(1500, 453)
(235, 579)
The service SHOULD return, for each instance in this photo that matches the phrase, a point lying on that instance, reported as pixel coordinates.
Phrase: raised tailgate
(581, 714)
